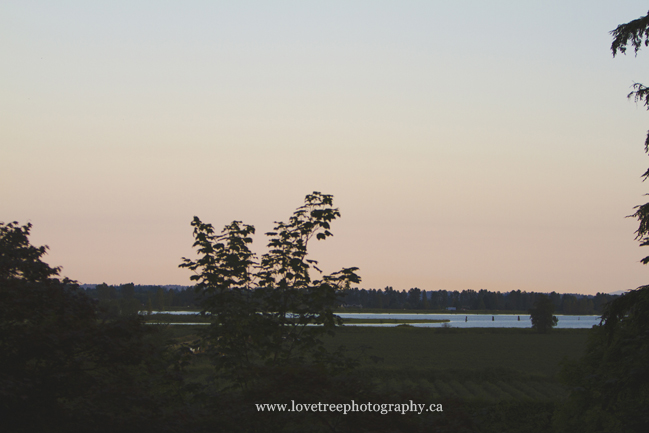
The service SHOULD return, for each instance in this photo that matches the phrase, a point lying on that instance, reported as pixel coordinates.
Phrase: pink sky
(468, 146)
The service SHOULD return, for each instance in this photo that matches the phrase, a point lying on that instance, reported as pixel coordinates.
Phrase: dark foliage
(263, 312)
(542, 315)
(636, 33)
(63, 369)
(482, 300)
(610, 384)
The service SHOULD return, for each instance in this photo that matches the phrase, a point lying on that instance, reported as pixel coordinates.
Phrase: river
(456, 320)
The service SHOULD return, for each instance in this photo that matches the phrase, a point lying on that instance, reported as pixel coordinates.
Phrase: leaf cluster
(270, 311)
(19, 260)
(635, 32)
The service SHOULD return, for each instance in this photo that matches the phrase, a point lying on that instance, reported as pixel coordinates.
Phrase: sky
(467, 144)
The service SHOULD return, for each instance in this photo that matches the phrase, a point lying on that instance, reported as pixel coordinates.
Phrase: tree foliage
(263, 311)
(636, 34)
(542, 315)
(610, 384)
(62, 368)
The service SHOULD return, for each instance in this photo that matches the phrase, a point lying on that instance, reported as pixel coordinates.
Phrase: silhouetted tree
(262, 312)
(542, 315)
(160, 299)
(414, 298)
(62, 368)
(636, 33)
(128, 304)
(610, 384)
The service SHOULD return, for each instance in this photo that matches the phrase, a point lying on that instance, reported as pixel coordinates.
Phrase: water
(457, 320)
(476, 320)
(176, 313)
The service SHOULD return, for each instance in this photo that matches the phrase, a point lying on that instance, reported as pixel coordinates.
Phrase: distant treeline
(416, 299)
(130, 298)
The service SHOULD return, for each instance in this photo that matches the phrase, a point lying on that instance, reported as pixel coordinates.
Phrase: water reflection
(457, 320)
(477, 320)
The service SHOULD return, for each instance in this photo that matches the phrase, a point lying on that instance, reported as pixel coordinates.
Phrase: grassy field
(521, 351)
(503, 379)
(473, 349)
(475, 365)
(411, 354)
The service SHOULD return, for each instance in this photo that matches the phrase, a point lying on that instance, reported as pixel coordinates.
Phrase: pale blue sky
(468, 144)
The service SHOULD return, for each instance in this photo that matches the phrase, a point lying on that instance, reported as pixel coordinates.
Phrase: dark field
(518, 350)
(474, 364)
(477, 366)
(502, 379)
